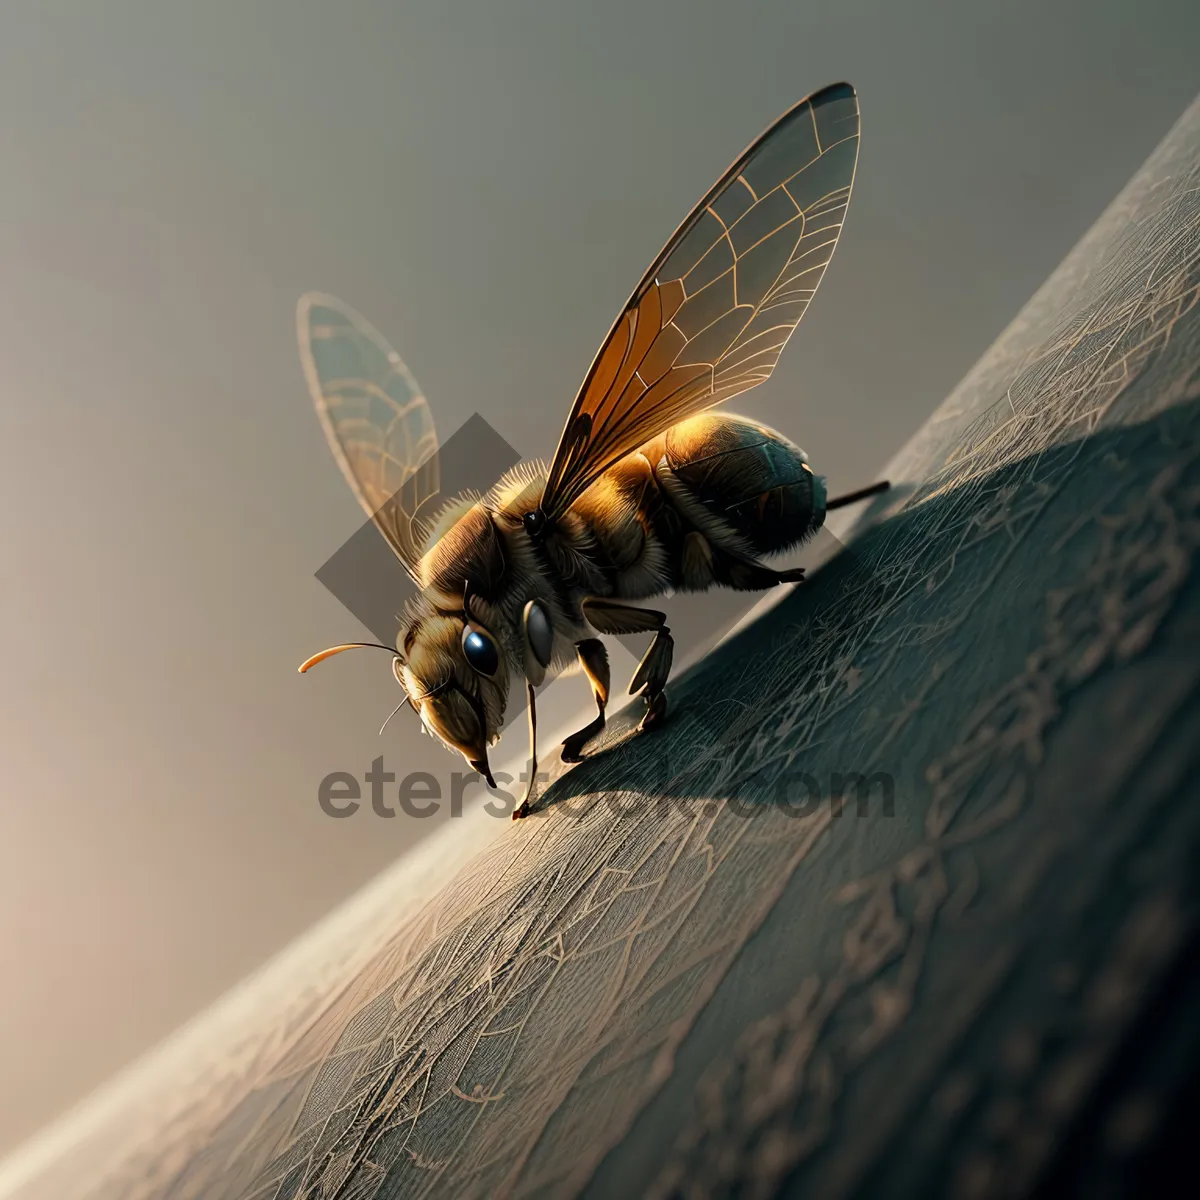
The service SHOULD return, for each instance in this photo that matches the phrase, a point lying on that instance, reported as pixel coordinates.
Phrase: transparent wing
(711, 316)
(377, 422)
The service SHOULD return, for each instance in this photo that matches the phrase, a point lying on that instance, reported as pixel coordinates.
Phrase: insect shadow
(814, 687)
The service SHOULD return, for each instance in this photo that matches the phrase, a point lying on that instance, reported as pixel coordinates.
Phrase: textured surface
(975, 989)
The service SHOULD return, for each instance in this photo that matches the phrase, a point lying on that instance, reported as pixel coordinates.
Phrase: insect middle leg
(594, 659)
(650, 679)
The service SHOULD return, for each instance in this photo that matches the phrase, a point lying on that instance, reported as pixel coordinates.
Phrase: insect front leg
(650, 679)
(594, 659)
(523, 809)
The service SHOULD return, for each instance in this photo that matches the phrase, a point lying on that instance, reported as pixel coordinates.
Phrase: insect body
(647, 491)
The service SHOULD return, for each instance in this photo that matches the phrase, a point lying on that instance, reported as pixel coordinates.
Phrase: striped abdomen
(738, 481)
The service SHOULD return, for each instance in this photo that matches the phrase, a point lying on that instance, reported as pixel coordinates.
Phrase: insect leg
(746, 574)
(854, 497)
(610, 616)
(594, 659)
(523, 810)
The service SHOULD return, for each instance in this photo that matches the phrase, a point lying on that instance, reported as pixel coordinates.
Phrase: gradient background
(486, 182)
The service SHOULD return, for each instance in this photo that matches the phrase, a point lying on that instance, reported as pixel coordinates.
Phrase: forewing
(711, 316)
(377, 422)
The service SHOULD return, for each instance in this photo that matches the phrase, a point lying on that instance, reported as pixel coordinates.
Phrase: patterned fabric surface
(902, 901)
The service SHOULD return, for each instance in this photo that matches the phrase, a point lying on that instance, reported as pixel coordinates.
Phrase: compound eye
(480, 651)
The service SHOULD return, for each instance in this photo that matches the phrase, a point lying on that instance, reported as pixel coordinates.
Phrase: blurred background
(486, 182)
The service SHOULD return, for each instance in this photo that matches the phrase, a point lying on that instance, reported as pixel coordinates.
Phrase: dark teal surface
(979, 981)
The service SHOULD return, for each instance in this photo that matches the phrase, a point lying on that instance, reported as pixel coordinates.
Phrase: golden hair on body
(648, 490)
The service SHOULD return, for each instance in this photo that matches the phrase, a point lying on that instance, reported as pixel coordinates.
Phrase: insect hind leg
(745, 574)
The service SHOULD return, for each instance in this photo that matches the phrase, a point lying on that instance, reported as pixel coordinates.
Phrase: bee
(648, 491)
